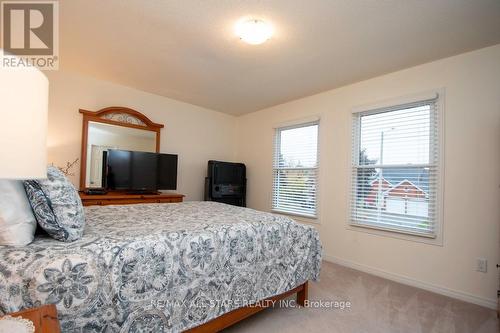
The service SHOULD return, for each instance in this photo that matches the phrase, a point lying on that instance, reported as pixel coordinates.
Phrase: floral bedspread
(159, 267)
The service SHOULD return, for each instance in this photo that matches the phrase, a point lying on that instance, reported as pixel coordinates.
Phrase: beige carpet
(378, 305)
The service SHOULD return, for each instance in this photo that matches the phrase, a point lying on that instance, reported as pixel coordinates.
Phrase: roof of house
(417, 176)
(406, 188)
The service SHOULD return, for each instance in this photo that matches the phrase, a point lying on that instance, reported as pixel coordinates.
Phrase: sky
(299, 146)
(406, 136)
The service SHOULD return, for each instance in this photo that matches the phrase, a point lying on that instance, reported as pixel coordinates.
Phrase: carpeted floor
(377, 306)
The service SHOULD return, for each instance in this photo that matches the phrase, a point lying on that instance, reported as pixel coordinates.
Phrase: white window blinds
(296, 169)
(395, 168)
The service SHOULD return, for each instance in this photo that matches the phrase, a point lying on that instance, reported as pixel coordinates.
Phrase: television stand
(123, 198)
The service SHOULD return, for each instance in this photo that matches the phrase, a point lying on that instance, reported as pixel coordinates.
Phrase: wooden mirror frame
(114, 115)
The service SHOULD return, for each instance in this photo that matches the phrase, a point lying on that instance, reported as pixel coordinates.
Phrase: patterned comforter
(159, 267)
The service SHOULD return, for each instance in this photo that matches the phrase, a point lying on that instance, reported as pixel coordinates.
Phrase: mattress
(159, 267)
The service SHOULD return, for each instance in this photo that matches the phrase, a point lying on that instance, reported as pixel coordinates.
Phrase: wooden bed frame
(231, 318)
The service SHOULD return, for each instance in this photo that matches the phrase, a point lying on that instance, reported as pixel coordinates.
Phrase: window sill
(399, 234)
(299, 217)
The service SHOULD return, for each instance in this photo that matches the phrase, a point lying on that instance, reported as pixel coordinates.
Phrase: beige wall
(472, 174)
(196, 134)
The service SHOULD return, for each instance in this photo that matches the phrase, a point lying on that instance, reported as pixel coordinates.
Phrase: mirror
(113, 128)
(102, 137)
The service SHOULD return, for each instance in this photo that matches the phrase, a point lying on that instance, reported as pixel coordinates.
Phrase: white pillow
(17, 222)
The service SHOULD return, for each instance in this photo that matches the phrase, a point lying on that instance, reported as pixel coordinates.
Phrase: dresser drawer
(91, 202)
(168, 200)
(127, 201)
(115, 198)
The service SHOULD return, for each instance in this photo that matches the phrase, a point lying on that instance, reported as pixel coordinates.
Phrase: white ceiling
(186, 49)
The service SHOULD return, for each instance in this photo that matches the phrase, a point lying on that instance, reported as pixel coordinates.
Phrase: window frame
(276, 147)
(397, 103)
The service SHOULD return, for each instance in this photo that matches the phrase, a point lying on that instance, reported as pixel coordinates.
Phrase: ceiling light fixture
(254, 31)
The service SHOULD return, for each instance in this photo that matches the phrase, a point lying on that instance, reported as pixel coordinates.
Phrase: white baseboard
(489, 303)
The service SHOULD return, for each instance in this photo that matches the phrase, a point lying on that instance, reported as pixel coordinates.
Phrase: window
(296, 170)
(395, 168)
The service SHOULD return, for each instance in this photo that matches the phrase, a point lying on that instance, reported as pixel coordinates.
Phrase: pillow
(57, 206)
(17, 223)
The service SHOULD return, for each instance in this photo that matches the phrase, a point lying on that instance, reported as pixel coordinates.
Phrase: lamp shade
(24, 95)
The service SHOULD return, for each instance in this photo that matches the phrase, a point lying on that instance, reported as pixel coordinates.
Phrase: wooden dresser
(120, 198)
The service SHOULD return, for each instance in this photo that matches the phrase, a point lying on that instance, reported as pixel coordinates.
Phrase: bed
(160, 267)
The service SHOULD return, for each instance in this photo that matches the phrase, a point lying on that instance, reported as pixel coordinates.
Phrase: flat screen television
(136, 171)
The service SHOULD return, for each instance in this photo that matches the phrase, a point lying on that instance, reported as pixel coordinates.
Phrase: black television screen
(141, 171)
(144, 171)
(167, 172)
(118, 169)
(229, 173)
